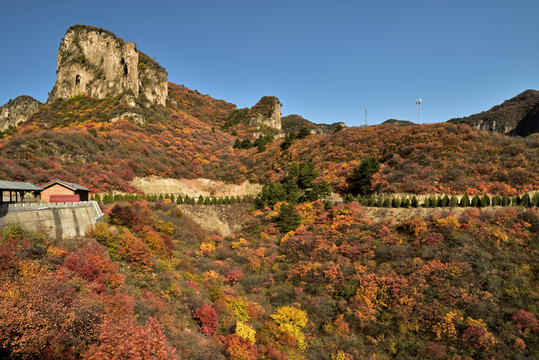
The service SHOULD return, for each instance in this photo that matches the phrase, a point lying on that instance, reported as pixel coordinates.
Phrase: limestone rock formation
(16, 111)
(266, 112)
(96, 62)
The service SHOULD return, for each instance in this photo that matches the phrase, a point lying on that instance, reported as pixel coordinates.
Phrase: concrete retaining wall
(62, 220)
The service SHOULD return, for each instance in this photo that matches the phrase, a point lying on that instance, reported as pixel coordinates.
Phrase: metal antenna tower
(365, 116)
(418, 102)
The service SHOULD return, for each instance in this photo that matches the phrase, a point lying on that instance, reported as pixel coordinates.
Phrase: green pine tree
(288, 219)
(465, 201)
(307, 173)
(475, 201)
(445, 201)
(535, 199)
(485, 201)
(359, 182)
(407, 203)
(525, 200)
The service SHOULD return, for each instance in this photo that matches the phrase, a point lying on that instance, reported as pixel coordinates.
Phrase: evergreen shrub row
(201, 200)
(445, 201)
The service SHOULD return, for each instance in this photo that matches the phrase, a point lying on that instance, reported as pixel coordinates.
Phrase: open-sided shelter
(16, 192)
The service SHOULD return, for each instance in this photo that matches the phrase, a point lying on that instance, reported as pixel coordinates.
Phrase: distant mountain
(518, 116)
(294, 123)
(397, 122)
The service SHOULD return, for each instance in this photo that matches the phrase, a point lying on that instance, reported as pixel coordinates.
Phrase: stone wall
(96, 62)
(59, 221)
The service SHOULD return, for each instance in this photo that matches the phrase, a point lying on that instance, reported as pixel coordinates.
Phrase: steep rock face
(517, 116)
(18, 110)
(266, 112)
(97, 63)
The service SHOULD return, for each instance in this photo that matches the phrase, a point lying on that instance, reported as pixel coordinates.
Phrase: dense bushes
(298, 281)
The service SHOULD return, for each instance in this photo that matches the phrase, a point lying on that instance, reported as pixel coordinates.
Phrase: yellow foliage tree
(245, 331)
(292, 320)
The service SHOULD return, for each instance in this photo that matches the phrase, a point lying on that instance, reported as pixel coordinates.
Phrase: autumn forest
(308, 276)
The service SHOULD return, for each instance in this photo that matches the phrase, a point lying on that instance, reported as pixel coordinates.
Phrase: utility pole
(418, 102)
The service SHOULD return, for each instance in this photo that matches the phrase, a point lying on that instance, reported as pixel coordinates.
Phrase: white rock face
(18, 110)
(95, 62)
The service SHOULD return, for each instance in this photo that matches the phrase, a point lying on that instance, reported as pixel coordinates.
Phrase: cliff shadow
(529, 124)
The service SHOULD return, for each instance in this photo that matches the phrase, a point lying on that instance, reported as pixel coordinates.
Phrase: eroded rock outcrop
(96, 62)
(266, 112)
(17, 111)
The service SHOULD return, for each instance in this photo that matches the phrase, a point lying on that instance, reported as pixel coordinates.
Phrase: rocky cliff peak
(266, 112)
(18, 110)
(96, 62)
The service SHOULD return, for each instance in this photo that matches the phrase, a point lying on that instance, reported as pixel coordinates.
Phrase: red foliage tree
(208, 318)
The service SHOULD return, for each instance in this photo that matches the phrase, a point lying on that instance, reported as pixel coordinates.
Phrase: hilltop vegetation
(74, 139)
(517, 116)
(414, 159)
(339, 286)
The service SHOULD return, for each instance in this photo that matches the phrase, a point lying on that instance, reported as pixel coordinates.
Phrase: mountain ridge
(518, 116)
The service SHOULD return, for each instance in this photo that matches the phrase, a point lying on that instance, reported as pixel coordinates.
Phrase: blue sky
(325, 60)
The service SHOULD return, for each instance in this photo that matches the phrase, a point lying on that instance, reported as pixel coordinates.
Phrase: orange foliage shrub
(133, 249)
(124, 339)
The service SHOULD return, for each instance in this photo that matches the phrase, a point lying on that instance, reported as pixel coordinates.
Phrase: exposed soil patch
(224, 219)
(195, 187)
(398, 215)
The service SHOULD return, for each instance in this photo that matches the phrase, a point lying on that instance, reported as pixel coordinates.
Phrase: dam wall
(60, 220)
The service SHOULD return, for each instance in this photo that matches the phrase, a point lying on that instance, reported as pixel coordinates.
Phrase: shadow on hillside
(529, 124)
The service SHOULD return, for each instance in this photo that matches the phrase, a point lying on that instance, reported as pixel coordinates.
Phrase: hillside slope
(150, 281)
(104, 144)
(76, 140)
(414, 159)
(517, 116)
